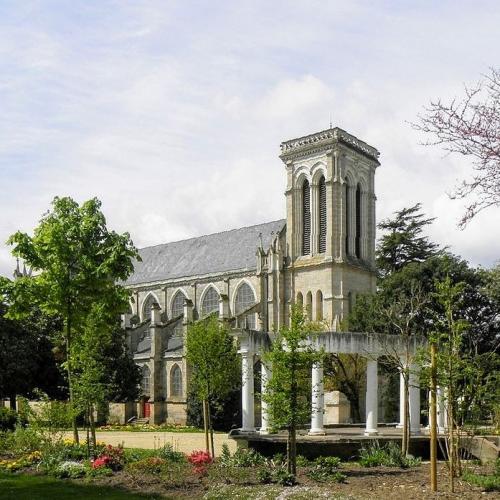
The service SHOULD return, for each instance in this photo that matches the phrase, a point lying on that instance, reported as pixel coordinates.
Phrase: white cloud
(172, 113)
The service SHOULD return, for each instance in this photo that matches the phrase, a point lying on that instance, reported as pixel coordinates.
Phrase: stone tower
(330, 220)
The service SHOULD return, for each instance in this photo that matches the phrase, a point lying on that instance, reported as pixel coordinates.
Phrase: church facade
(320, 256)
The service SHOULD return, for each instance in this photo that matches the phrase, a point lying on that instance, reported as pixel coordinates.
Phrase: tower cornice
(324, 141)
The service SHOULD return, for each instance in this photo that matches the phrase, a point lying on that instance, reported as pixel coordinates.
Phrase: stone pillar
(223, 306)
(266, 374)
(441, 410)
(247, 393)
(318, 397)
(414, 392)
(371, 397)
(156, 366)
(351, 233)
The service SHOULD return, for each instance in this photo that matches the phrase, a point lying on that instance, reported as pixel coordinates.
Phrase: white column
(266, 374)
(371, 397)
(318, 397)
(401, 400)
(441, 410)
(247, 390)
(414, 390)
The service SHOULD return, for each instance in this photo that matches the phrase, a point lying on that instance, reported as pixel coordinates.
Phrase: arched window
(306, 219)
(210, 302)
(322, 215)
(358, 222)
(347, 215)
(178, 310)
(319, 305)
(300, 300)
(146, 307)
(244, 299)
(175, 381)
(146, 380)
(309, 305)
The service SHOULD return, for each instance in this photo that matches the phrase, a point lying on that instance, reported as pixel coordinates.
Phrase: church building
(320, 256)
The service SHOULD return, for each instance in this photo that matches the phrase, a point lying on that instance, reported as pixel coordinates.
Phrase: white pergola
(371, 345)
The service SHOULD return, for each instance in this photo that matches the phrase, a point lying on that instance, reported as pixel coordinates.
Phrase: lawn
(29, 487)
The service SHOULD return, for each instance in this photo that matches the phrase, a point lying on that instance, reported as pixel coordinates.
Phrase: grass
(25, 487)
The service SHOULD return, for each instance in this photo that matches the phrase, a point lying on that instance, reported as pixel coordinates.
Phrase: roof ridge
(212, 234)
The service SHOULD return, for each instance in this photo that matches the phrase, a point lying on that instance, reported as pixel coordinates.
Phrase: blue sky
(172, 112)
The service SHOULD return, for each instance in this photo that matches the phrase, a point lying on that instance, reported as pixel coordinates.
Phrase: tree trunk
(68, 370)
(92, 429)
(205, 425)
(211, 430)
(405, 442)
(87, 425)
(13, 402)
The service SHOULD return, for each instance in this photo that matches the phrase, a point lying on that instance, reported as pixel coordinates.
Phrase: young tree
(215, 369)
(403, 242)
(76, 263)
(470, 126)
(287, 391)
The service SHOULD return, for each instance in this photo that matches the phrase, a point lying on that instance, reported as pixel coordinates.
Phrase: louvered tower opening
(358, 222)
(347, 215)
(306, 219)
(322, 216)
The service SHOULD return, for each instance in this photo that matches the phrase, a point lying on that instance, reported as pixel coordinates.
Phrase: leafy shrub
(69, 469)
(241, 458)
(24, 440)
(92, 472)
(302, 461)
(326, 469)
(264, 475)
(487, 483)
(283, 477)
(8, 419)
(149, 465)
(389, 455)
(113, 456)
(167, 452)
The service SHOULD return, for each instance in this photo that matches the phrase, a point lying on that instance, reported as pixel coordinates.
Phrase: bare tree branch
(470, 126)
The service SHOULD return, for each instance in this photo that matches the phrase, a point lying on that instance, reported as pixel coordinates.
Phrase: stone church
(320, 255)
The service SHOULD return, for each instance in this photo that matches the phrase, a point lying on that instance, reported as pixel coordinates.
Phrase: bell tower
(330, 203)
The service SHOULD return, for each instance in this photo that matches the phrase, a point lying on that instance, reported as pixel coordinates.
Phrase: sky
(172, 112)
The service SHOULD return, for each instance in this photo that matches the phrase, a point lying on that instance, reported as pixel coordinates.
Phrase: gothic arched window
(306, 218)
(175, 381)
(300, 300)
(178, 310)
(309, 305)
(358, 222)
(322, 215)
(146, 380)
(319, 305)
(146, 307)
(244, 299)
(210, 302)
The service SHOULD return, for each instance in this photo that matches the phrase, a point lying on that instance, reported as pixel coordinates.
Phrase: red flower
(102, 461)
(200, 458)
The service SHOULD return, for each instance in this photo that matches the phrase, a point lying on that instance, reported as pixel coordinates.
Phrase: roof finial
(331, 120)
(261, 242)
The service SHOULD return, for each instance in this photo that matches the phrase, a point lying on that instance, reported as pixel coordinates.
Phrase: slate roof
(213, 253)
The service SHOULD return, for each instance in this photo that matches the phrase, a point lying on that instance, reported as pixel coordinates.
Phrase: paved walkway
(181, 441)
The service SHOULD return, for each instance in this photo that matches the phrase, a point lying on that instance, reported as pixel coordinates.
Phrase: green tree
(26, 356)
(287, 391)
(215, 369)
(76, 263)
(403, 241)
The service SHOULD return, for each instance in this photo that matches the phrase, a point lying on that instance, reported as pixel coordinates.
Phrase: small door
(146, 409)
